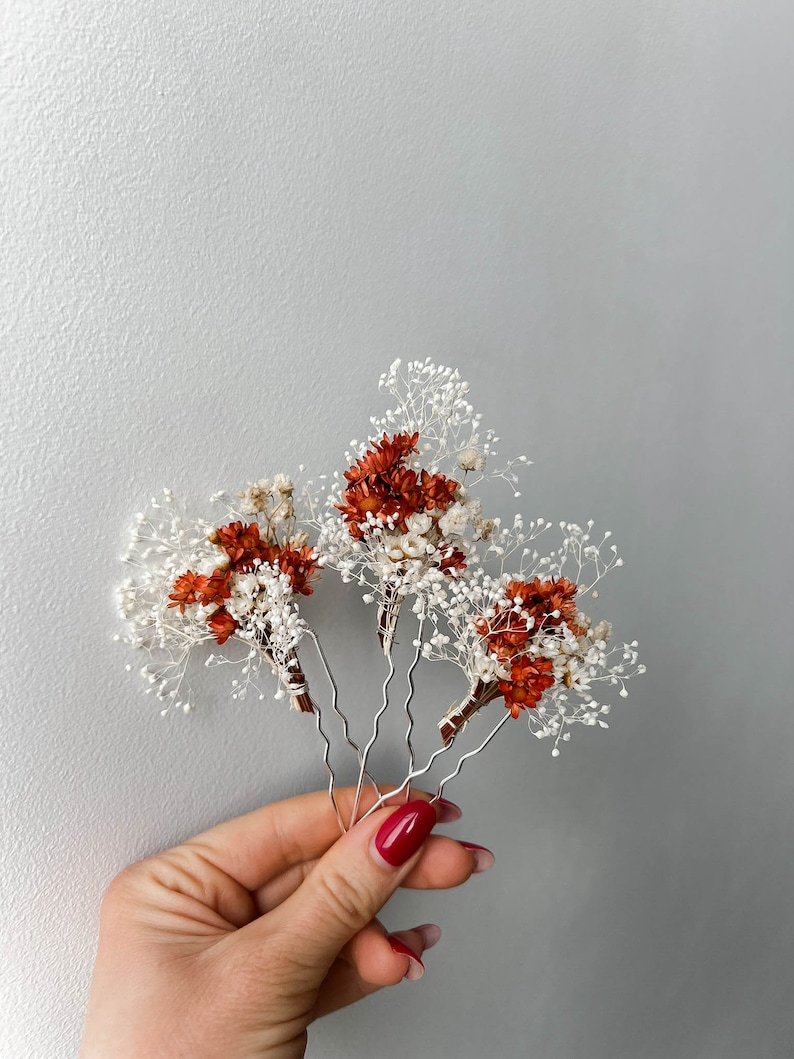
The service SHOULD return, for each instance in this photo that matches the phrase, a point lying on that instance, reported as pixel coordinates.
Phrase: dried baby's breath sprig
(521, 636)
(402, 520)
(239, 581)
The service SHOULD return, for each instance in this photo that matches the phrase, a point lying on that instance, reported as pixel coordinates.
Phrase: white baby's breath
(165, 545)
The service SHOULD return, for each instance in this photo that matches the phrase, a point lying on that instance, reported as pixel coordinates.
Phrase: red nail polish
(404, 832)
(415, 968)
(448, 811)
(483, 857)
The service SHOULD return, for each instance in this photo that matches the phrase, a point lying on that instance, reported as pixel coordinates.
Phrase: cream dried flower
(471, 459)
(254, 498)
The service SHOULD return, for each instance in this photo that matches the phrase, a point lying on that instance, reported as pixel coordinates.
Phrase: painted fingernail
(430, 932)
(483, 858)
(448, 811)
(415, 966)
(404, 832)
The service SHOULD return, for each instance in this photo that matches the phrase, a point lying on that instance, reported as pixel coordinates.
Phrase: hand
(233, 942)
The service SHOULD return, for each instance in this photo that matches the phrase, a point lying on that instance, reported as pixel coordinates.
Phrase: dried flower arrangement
(405, 523)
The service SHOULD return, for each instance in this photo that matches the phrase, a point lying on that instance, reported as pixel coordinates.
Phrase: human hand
(231, 943)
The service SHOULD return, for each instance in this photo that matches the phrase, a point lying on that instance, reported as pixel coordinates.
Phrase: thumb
(350, 884)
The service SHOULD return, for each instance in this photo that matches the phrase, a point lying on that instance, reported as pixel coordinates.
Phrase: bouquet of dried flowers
(405, 522)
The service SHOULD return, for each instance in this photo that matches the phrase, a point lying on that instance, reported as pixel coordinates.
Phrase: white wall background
(221, 223)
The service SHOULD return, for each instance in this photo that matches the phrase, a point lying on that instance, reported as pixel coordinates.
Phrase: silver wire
(327, 763)
(411, 776)
(407, 705)
(420, 772)
(471, 753)
(335, 706)
(368, 747)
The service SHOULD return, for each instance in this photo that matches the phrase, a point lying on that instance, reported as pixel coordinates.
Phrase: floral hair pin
(405, 522)
(239, 580)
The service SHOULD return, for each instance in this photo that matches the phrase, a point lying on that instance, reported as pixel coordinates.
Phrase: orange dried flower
(383, 456)
(362, 499)
(529, 678)
(222, 625)
(394, 497)
(300, 566)
(381, 485)
(506, 633)
(206, 590)
(453, 559)
(403, 491)
(438, 491)
(186, 590)
(542, 598)
(215, 588)
(242, 543)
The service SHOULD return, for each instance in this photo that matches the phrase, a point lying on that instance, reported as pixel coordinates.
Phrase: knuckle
(122, 890)
(352, 902)
(122, 883)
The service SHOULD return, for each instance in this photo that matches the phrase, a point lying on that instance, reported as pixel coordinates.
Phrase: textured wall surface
(221, 222)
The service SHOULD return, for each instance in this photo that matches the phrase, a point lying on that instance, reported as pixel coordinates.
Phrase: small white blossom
(454, 521)
(420, 522)
(602, 631)
(471, 459)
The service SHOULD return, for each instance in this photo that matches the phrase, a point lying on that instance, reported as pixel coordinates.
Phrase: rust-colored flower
(186, 590)
(529, 678)
(382, 457)
(300, 566)
(542, 598)
(215, 588)
(242, 543)
(452, 560)
(362, 499)
(403, 491)
(507, 632)
(381, 485)
(438, 491)
(222, 625)
(505, 635)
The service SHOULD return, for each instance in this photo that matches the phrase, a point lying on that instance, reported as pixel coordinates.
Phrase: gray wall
(225, 221)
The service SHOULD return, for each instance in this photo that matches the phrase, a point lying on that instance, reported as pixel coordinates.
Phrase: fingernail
(415, 967)
(430, 932)
(404, 832)
(483, 858)
(448, 811)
